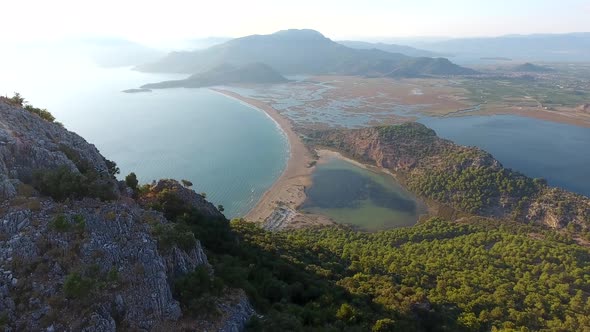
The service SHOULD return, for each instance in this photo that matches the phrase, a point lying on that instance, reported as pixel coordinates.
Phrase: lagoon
(368, 200)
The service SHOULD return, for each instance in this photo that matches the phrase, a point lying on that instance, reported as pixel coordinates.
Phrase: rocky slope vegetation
(467, 179)
(80, 251)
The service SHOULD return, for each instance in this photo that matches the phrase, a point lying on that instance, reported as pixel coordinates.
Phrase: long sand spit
(289, 190)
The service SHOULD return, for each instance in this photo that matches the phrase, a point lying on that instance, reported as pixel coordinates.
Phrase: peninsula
(254, 73)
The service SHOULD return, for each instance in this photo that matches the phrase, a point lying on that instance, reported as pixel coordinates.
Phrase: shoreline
(287, 193)
(278, 207)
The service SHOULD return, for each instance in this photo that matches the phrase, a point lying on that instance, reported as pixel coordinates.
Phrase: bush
(169, 235)
(60, 183)
(112, 167)
(61, 224)
(131, 181)
(196, 291)
(41, 112)
(346, 313)
(384, 325)
(18, 100)
(76, 286)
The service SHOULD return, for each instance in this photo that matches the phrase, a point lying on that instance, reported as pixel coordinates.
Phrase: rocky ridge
(29, 143)
(88, 264)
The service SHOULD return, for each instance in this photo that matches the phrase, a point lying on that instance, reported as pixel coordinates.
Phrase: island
(136, 90)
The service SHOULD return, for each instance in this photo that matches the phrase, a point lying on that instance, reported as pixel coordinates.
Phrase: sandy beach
(277, 208)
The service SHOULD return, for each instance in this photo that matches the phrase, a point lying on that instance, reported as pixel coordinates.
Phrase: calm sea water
(229, 150)
(557, 152)
(353, 195)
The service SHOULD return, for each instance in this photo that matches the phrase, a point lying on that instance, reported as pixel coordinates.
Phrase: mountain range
(535, 47)
(392, 48)
(292, 52)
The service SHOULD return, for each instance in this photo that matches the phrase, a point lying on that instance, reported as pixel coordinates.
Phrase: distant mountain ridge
(532, 68)
(537, 47)
(224, 74)
(392, 48)
(302, 52)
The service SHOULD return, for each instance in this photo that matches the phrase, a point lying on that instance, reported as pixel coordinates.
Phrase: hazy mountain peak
(300, 34)
(302, 52)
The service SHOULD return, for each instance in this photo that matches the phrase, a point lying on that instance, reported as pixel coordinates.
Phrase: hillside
(256, 73)
(429, 67)
(294, 52)
(391, 48)
(473, 275)
(79, 252)
(532, 68)
(467, 179)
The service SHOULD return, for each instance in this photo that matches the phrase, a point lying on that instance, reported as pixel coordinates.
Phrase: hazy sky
(154, 21)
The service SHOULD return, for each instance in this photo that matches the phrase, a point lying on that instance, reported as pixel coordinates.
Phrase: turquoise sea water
(230, 151)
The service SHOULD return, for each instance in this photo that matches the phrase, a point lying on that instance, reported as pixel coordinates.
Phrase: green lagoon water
(230, 151)
(360, 197)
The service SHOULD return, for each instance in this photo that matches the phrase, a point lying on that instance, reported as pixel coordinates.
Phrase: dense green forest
(473, 275)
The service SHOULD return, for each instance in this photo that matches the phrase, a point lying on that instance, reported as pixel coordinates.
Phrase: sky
(156, 21)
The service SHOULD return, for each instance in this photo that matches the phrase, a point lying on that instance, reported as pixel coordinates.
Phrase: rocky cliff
(28, 144)
(90, 261)
(465, 178)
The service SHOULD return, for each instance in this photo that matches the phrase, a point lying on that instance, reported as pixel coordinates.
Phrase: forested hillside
(467, 179)
(473, 275)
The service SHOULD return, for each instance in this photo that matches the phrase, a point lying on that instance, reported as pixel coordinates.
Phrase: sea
(230, 151)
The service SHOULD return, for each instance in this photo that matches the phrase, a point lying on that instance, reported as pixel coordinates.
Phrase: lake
(557, 152)
(360, 197)
(229, 150)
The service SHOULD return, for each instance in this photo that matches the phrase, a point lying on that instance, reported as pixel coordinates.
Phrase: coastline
(287, 193)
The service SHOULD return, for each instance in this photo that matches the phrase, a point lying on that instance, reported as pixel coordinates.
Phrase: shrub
(76, 286)
(60, 183)
(19, 100)
(180, 235)
(197, 290)
(384, 325)
(41, 112)
(61, 224)
(131, 181)
(112, 167)
(346, 313)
